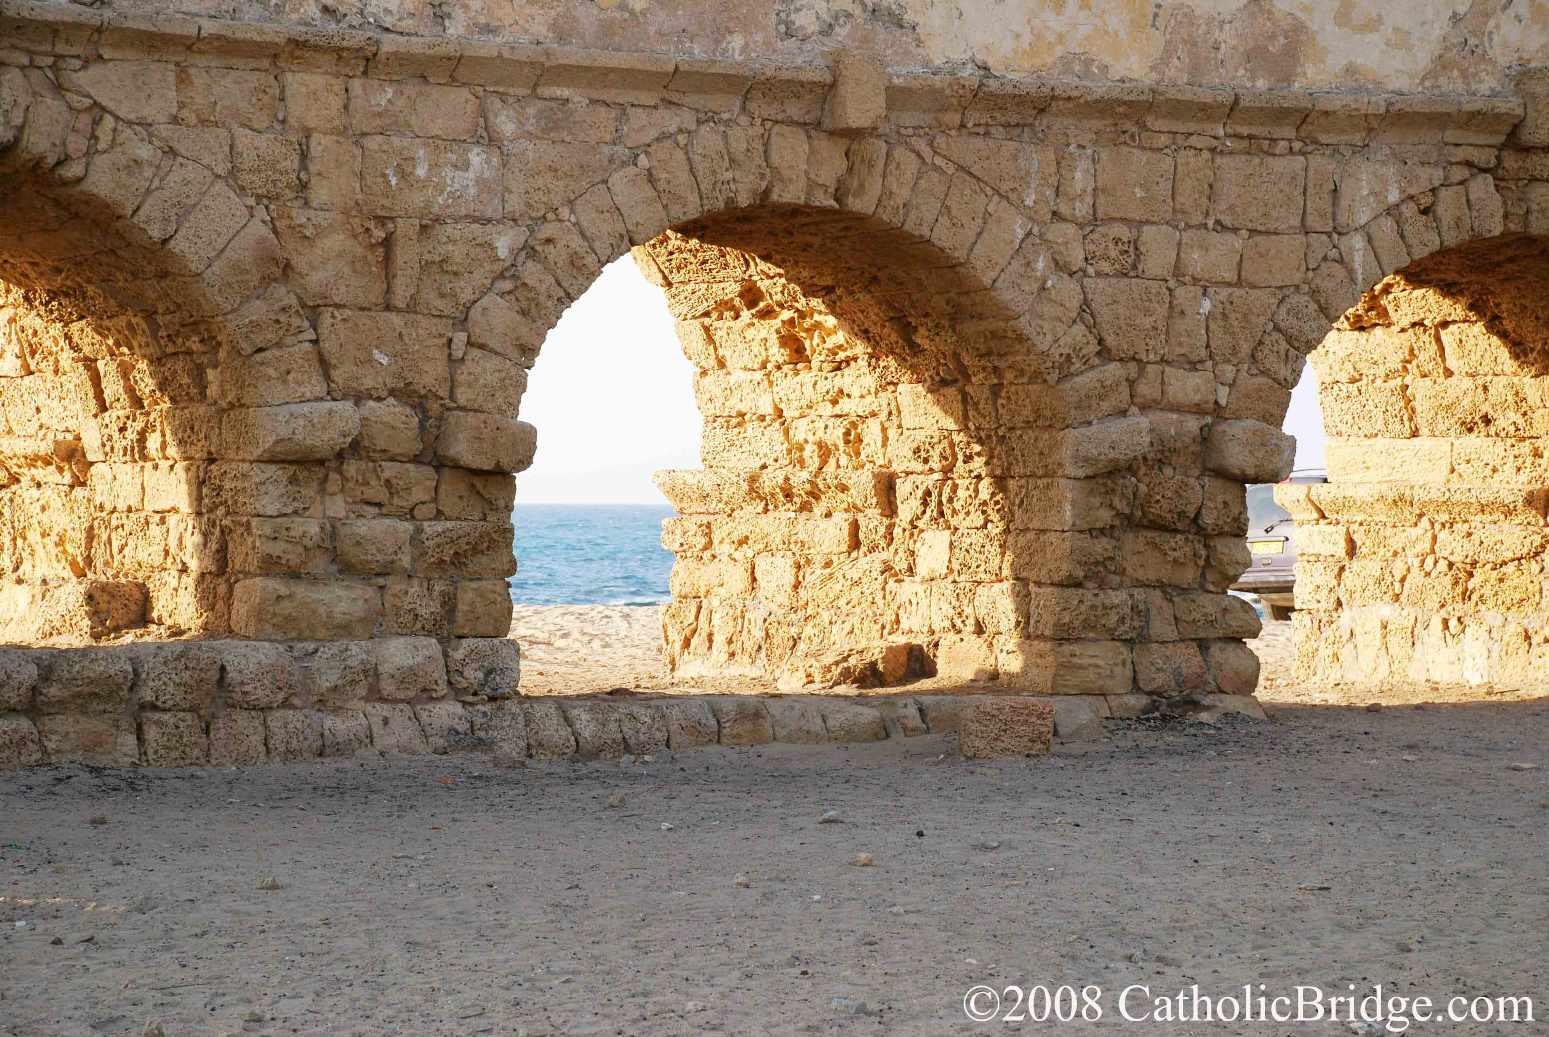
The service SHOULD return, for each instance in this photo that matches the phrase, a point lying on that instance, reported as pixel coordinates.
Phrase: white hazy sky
(613, 399)
(612, 396)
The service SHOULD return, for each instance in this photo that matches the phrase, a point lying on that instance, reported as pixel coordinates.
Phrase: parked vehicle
(1271, 572)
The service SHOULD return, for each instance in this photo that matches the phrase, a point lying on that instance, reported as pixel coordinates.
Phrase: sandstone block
(409, 668)
(852, 722)
(548, 735)
(1233, 667)
(1259, 192)
(486, 442)
(85, 680)
(377, 355)
(690, 724)
(796, 721)
(742, 721)
(20, 745)
(1131, 316)
(504, 726)
(446, 725)
(18, 679)
(342, 673)
(858, 100)
(304, 610)
(389, 431)
(258, 675)
(596, 727)
(1206, 615)
(483, 666)
(395, 730)
(1249, 450)
(1133, 184)
(373, 545)
(237, 737)
(178, 676)
(1066, 667)
(345, 733)
(644, 727)
(245, 488)
(290, 432)
(490, 383)
(431, 179)
(1169, 669)
(998, 727)
(294, 734)
(480, 549)
(483, 609)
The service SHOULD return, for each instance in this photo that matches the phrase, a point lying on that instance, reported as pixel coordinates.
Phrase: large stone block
(178, 676)
(998, 727)
(395, 730)
(483, 666)
(173, 740)
(290, 432)
(479, 549)
(485, 442)
(1249, 450)
(1134, 184)
(18, 679)
(77, 737)
(431, 179)
(376, 355)
(304, 610)
(446, 725)
(237, 737)
(410, 668)
(85, 680)
(20, 745)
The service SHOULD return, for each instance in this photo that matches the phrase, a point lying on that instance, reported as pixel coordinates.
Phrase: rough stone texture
(1421, 562)
(997, 727)
(979, 366)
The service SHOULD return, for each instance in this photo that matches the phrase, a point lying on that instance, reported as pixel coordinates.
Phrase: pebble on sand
(862, 860)
(268, 883)
(830, 817)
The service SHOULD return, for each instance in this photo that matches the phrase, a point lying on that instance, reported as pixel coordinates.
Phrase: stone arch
(138, 293)
(1421, 563)
(883, 346)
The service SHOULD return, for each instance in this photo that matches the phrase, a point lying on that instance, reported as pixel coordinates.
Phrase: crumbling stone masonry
(984, 362)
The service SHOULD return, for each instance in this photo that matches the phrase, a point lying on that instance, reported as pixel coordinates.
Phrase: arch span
(1421, 564)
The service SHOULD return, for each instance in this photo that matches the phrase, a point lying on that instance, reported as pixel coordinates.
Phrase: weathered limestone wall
(1421, 565)
(1462, 46)
(985, 361)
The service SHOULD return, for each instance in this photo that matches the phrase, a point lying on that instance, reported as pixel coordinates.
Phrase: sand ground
(699, 893)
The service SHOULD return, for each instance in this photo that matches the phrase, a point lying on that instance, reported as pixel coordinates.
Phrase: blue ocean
(590, 554)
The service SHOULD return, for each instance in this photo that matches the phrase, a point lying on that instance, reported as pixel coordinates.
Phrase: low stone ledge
(213, 732)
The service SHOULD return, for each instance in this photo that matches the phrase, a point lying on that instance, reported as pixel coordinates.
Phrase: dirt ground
(700, 893)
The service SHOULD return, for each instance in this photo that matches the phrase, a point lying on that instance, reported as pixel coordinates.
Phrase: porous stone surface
(1420, 567)
(983, 360)
(995, 727)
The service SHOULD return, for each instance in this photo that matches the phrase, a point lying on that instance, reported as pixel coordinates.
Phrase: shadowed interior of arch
(1421, 563)
(106, 341)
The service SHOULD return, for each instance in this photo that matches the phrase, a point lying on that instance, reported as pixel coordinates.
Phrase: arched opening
(106, 349)
(896, 483)
(612, 392)
(1421, 562)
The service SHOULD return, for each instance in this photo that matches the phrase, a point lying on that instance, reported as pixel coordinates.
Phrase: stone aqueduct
(984, 364)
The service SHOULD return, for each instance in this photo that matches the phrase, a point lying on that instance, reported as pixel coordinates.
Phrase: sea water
(590, 554)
